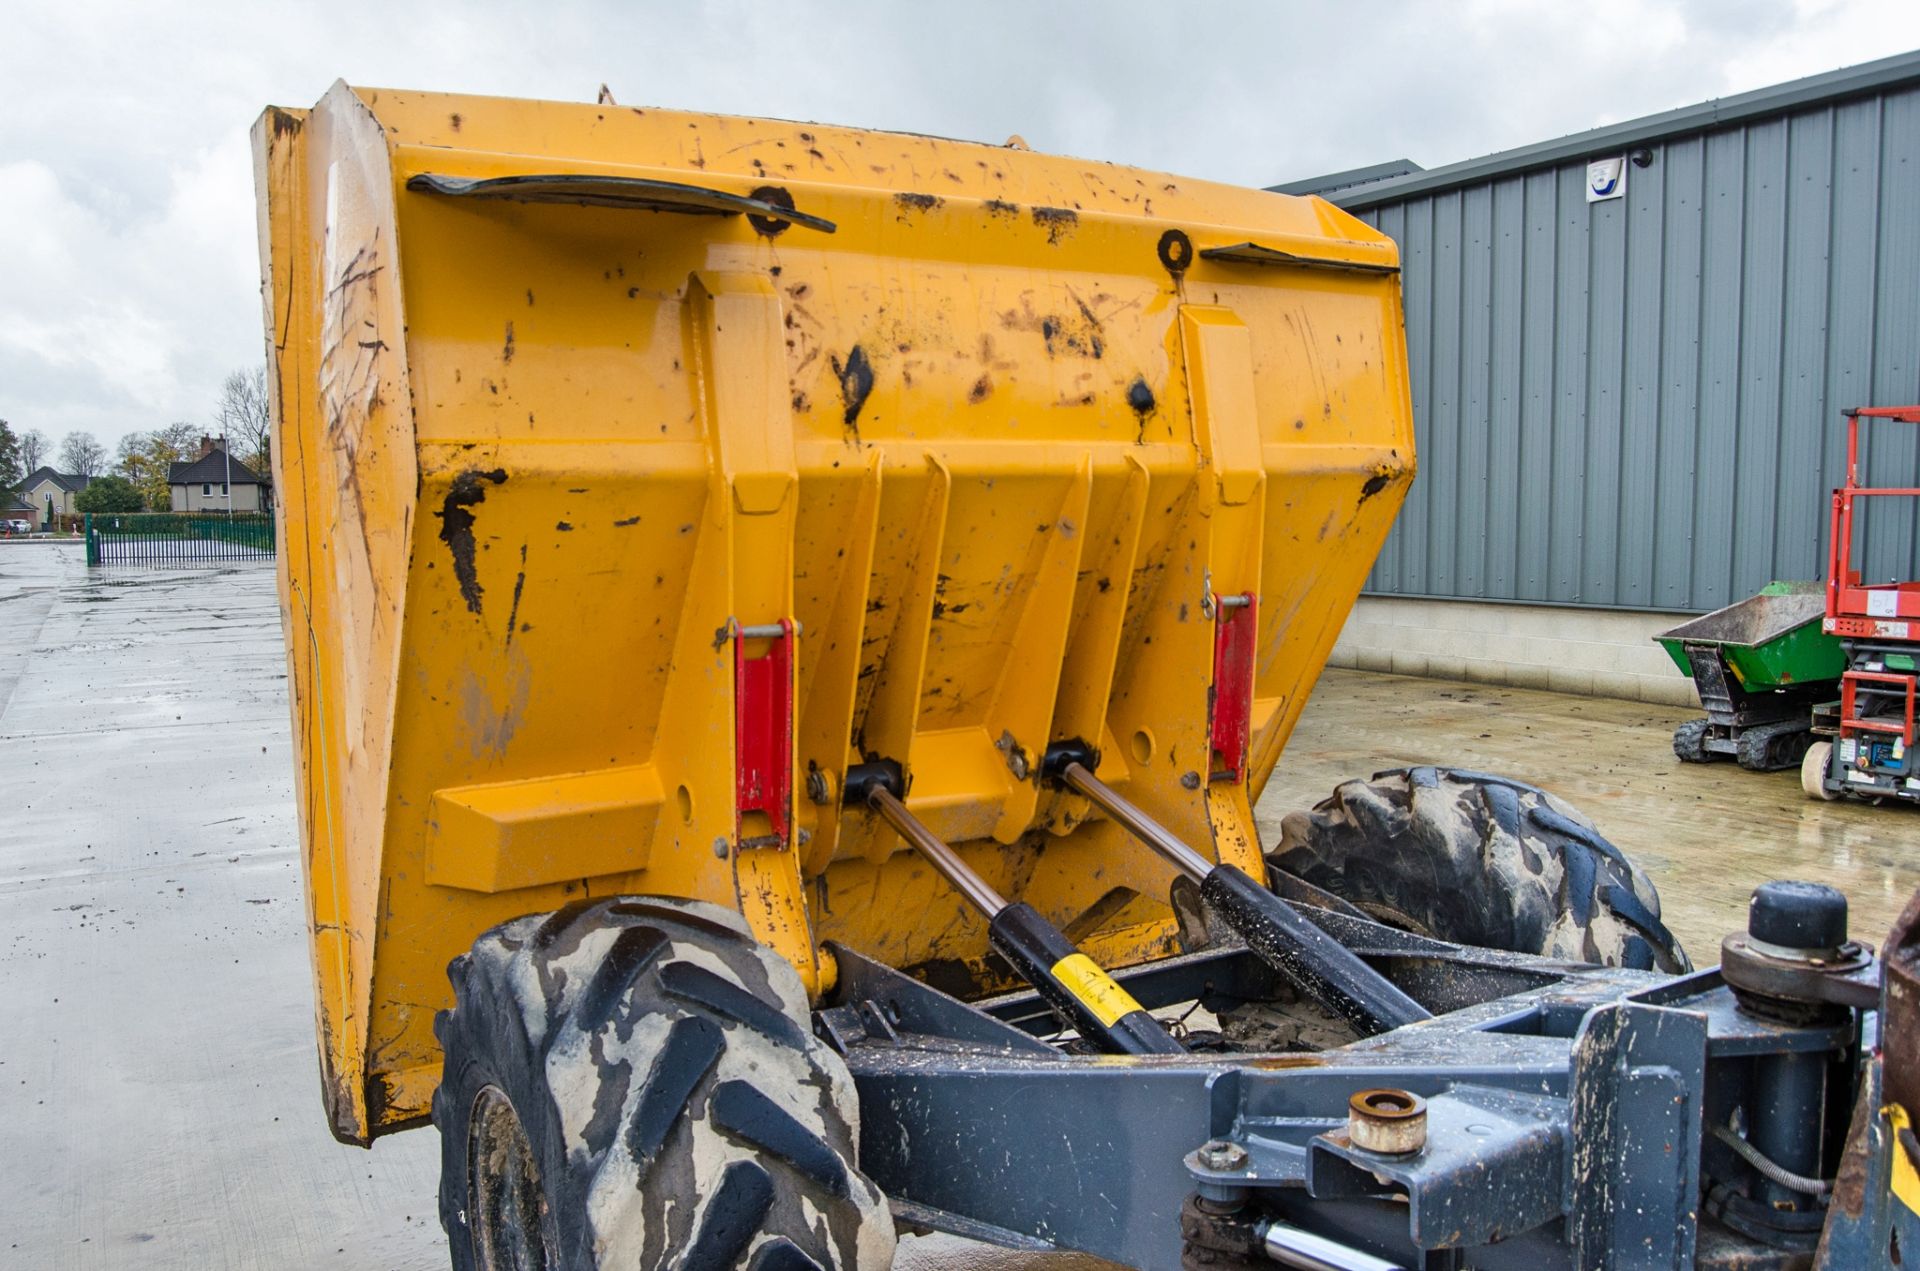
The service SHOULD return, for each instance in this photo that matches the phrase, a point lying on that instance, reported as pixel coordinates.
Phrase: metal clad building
(1634, 403)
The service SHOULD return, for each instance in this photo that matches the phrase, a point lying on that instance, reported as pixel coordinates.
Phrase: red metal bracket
(1230, 699)
(1851, 723)
(763, 733)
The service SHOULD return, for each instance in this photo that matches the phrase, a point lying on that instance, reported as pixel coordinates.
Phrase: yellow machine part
(991, 429)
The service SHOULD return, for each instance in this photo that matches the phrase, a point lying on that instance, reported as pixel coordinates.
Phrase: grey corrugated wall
(1635, 403)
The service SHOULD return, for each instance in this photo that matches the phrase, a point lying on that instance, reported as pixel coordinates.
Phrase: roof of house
(72, 483)
(1362, 187)
(211, 468)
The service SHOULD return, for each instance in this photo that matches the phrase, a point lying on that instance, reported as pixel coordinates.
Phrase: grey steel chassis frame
(1568, 1108)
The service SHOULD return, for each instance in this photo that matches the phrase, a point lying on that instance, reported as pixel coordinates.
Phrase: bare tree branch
(82, 455)
(244, 417)
(35, 450)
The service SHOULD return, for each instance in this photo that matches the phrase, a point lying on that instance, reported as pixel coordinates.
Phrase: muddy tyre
(633, 1083)
(1480, 860)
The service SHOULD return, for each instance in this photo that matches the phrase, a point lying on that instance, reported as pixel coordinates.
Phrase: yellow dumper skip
(640, 472)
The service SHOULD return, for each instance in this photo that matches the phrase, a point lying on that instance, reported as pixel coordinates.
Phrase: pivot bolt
(1223, 1154)
(1390, 1122)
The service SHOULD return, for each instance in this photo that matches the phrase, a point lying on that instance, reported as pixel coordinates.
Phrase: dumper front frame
(1567, 1108)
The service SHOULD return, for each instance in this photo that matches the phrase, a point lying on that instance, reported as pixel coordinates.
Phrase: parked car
(19, 525)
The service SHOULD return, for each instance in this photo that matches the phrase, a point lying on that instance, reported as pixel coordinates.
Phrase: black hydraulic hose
(1767, 1166)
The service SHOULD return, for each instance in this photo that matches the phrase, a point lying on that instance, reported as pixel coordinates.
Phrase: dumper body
(981, 436)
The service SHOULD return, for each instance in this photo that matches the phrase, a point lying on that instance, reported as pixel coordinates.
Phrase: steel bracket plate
(1635, 1089)
(1494, 1165)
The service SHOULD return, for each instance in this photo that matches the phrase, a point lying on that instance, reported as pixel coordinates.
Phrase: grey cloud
(128, 283)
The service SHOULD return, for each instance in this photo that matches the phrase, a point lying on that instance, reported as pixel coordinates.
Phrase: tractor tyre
(1814, 766)
(632, 1082)
(1690, 741)
(1480, 860)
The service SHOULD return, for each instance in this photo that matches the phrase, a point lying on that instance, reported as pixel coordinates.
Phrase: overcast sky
(128, 270)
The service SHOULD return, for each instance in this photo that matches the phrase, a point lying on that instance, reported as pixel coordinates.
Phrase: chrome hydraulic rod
(1142, 826)
(1320, 966)
(1306, 1251)
(1071, 982)
(945, 861)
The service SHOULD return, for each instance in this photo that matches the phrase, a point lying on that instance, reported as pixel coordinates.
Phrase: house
(51, 494)
(14, 507)
(216, 482)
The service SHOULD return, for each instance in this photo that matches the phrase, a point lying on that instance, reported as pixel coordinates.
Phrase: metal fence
(166, 538)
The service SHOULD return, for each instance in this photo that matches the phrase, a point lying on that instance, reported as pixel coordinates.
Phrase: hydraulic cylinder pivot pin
(1103, 1012)
(1320, 966)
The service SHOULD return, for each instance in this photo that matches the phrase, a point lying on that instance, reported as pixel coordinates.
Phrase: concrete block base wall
(1594, 652)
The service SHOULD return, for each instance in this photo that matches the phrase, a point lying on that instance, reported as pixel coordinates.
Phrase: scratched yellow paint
(981, 443)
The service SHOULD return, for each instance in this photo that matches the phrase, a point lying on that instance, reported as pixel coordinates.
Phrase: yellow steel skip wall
(981, 444)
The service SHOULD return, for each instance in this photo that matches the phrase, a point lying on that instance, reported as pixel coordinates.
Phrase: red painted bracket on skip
(763, 732)
(1230, 700)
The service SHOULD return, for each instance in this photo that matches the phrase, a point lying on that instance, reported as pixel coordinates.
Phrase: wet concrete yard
(161, 1102)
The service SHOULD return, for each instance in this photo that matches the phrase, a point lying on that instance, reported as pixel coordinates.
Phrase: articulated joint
(876, 774)
(1053, 764)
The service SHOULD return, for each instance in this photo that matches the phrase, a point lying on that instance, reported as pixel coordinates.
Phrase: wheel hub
(507, 1214)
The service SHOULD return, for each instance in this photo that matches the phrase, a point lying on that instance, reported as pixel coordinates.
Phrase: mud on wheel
(632, 1083)
(1480, 860)
(1690, 741)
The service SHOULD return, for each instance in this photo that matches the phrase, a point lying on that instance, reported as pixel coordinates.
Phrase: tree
(35, 450)
(145, 458)
(10, 473)
(108, 494)
(245, 417)
(82, 455)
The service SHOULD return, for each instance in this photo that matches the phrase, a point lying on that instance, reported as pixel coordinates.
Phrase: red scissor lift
(1870, 730)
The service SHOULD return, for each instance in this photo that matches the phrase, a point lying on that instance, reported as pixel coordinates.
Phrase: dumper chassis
(786, 626)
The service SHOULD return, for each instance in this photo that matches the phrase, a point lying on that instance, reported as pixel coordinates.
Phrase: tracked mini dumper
(1760, 666)
(786, 626)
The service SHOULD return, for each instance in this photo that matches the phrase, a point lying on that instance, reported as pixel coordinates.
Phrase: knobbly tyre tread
(1480, 860)
(680, 1111)
(1690, 742)
(782, 1255)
